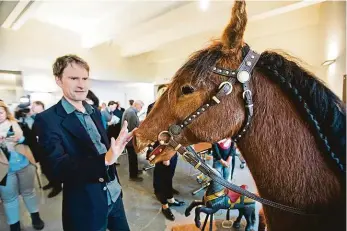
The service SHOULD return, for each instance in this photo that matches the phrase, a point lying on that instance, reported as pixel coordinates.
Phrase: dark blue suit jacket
(74, 160)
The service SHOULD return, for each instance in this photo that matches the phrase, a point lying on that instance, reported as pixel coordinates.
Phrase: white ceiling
(100, 21)
(140, 26)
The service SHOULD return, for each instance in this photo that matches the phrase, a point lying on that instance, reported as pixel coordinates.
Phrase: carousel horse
(218, 197)
(289, 127)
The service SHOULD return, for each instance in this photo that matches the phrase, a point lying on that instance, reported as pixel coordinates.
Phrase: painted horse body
(218, 197)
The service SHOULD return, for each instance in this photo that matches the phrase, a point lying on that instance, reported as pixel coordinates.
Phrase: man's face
(113, 107)
(36, 108)
(138, 107)
(74, 82)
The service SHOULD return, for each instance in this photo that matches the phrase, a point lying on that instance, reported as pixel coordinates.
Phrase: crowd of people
(77, 143)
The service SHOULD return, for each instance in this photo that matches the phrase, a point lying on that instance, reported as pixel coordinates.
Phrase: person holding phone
(17, 172)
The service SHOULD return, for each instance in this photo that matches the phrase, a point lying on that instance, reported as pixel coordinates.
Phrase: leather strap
(192, 158)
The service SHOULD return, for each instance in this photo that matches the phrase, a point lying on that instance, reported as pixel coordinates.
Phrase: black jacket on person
(149, 108)
(31, 140)
(75, 161)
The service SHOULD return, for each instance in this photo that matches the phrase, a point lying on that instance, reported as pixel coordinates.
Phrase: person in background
(223, 152)
(163, 175)
(131, 102)
(79, 154)
(93, 100)
(119, 111)
(36, 108)
(17, 172)
(130, 115)
(111, 129)
(103, 106)
(56, 186)
(105, 115)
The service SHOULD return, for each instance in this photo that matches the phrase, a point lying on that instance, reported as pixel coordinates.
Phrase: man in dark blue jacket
(77, 149)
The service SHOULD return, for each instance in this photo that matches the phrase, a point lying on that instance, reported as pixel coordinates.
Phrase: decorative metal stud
(198, 113)
(243, 76)
(244, 130)
(248, 63)
(252, 56)
(214, 68)
(190, 119)
(207, 105)
(227, 72)
(185, 122)
(239, 136)
(202, 109)
(194, 116)
(219, 70)
(233, 72)
(182, 126)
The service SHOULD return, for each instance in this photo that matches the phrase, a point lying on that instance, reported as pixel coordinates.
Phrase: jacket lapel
(100, 128)
(74, 126)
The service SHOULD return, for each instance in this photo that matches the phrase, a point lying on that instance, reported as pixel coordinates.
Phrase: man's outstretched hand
(118, 145)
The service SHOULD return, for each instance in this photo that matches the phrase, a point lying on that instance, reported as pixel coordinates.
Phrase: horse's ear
(233, 33)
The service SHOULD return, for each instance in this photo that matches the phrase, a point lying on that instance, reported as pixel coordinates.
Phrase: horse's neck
(282, 153)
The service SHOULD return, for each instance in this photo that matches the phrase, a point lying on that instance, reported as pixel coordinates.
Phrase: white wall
(8, 96)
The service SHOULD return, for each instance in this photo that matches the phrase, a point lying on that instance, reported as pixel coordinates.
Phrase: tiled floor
(142, 208)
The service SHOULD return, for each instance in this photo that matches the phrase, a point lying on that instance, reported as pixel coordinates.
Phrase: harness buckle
(244, 93)
(228, 83)
(164, 141)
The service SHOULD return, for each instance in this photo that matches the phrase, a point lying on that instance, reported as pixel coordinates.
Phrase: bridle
(241, 75)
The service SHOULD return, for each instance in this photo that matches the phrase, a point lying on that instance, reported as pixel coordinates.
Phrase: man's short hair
(62, 62)
(139, 102)
(39, 103)
(111, 103)
(131, 102)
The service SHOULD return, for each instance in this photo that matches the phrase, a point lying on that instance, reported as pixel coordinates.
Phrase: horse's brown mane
(317, 103)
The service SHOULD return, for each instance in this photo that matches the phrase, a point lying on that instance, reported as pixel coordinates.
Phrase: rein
(243, 76)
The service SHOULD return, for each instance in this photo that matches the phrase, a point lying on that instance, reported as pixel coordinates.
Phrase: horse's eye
(186, 90)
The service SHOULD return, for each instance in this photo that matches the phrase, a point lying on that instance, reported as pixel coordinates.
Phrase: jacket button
(105, 188)
(101, 180)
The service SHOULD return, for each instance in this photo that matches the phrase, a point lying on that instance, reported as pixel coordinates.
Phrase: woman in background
(17, 172)
(223, 152)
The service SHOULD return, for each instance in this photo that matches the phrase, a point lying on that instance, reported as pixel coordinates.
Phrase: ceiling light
(204, 4)
(328, 62)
